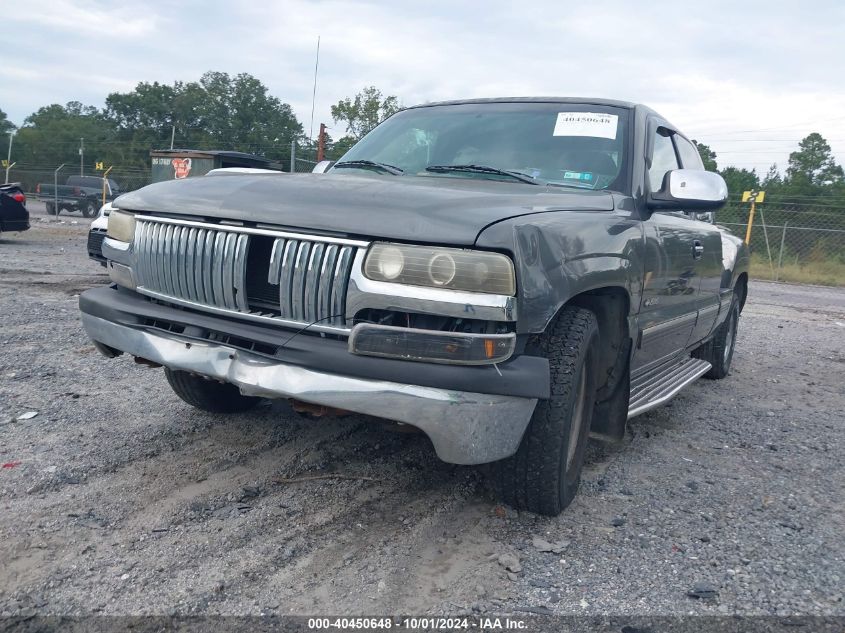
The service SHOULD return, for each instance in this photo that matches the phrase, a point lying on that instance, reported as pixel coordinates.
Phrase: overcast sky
(750, 79)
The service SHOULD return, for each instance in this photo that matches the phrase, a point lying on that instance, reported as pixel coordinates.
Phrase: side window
(690, 158)
(663, 159)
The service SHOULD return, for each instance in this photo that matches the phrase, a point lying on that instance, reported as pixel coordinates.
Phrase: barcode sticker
(595, 124)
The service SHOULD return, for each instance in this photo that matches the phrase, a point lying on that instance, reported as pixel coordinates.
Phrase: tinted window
(690, 158)
(663, 159)
(573, 145)
(85, 181)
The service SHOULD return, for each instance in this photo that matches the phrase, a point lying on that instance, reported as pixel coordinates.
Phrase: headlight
(121, 226)
(452, 268)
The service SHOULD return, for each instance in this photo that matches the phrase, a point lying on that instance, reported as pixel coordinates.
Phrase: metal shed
(170, 164)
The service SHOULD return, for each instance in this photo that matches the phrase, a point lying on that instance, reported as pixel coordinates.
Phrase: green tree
(739, 180)
(772, 181)
(239, 113)
(813, 164)
(708, 156)
(364, 111)
(6, 125)
(217, 112)
(51, 136)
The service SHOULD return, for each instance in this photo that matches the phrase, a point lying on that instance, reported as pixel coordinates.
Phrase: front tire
(89, 210)
(544, 474)
(719, 350)
(207, 394)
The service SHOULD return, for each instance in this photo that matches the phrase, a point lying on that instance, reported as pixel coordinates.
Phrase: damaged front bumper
(465, 427)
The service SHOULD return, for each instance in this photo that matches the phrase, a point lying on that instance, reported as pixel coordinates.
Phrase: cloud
(101, 20)
(750, 79)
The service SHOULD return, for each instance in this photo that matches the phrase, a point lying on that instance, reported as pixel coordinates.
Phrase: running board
(662, 384)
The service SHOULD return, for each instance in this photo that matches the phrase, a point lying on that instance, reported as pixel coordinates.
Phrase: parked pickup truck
(79, 193)
(510, 276)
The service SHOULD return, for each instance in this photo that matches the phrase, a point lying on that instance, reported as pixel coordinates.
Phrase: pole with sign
(99, 167)
(753, 197)
(9, 156)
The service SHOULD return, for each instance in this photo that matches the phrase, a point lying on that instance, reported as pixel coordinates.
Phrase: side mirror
(687, 189)
(322, 167)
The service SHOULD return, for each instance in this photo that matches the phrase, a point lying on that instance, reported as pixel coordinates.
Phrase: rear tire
(544, 474)
(207, 394)
(51, 209)
(719, 350)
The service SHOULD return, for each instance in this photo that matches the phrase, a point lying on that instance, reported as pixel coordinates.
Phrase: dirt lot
(117, 498)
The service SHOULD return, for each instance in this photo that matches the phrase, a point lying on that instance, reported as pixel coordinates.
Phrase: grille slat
(341, 277)
(312, 282)
(297, 304)
(324, 305)
(306, 278)
(239, 273)
(286, 278)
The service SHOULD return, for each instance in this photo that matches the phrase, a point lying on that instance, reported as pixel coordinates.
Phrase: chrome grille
(208, 266)
(312, 279)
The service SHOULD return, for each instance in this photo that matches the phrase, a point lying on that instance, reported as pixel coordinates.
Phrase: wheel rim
(577, 418)
(730, 338)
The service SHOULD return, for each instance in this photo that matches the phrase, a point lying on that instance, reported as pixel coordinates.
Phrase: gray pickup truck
(79, 193)
(510, 276)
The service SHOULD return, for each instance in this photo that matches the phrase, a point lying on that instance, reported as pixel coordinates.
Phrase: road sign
(5, 163)
(99, 166)
(753, 196)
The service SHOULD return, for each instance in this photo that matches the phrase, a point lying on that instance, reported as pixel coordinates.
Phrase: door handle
(697, 249)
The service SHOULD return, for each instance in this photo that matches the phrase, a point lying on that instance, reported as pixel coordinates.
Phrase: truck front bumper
(465, 427)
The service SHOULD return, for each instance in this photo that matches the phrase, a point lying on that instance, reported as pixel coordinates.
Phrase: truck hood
(436, 210)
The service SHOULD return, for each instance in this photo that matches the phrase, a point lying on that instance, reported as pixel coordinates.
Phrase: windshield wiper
(371, 164)
(484, 169)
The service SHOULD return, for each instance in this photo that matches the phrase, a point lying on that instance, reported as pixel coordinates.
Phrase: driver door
(671, 286)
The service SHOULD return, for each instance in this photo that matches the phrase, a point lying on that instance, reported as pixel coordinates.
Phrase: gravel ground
(117, 498)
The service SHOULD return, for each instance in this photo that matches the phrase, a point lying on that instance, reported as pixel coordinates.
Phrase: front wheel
(544, 474)
(89, 209)
(52, 209)
(207, 394)
(719, 350)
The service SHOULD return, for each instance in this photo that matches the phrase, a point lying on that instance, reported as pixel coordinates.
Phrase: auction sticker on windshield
(595, 124)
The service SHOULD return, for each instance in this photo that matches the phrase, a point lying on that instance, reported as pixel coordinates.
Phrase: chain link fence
(797, 242)
(302, 159)
(31, 177)
(802, 242)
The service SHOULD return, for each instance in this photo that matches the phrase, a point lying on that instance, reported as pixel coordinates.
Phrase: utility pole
(81, 156)
(9, 155)
(172, 136)
(321, 143)
(314, 93)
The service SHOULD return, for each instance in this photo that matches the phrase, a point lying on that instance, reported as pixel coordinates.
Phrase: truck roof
(581, 100)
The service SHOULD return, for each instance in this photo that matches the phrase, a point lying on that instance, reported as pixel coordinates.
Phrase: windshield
(565, 144)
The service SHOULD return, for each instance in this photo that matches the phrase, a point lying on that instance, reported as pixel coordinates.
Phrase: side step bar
(662, 384)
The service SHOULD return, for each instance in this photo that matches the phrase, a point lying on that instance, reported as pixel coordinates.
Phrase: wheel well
(741, 286)
(611, 306)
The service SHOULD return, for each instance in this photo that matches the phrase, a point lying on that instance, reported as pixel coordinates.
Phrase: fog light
(430, 346)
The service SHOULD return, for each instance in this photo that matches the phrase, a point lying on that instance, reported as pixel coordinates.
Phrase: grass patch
(822, 272)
